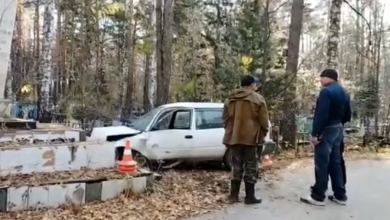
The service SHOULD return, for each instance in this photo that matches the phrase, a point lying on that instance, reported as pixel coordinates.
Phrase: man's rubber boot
(234, 191)
(250, 194)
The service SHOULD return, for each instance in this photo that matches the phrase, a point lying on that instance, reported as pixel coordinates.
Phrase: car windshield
(142, 122)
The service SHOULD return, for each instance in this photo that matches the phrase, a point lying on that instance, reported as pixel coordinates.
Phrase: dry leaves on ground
(58, 176)
(378, 154)
(177, 195)
(287, 159)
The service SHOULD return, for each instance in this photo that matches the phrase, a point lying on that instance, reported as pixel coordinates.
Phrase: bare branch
(358, 13)
(279, 6)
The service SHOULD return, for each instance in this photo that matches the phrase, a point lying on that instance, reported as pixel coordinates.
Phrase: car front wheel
(143, 162)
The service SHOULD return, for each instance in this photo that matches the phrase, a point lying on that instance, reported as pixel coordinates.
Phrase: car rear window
(209, 118)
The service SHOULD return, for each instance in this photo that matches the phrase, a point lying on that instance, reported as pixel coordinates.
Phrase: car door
(170, 135)
(208, 133)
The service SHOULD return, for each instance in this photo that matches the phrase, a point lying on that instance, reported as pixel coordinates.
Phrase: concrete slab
(17, 198)
(38, 197)
(42, 135)
(56, 157)
(75, 193)
(111, 189)
(57, 195)
(368, 189)
(8, 12)
(65, 193)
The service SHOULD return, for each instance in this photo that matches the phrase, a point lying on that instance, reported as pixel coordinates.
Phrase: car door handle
(188, 137)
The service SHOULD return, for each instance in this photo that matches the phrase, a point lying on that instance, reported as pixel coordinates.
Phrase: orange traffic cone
(266, 161)
(127, 165)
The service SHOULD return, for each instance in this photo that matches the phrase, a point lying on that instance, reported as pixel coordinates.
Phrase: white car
(174, 133)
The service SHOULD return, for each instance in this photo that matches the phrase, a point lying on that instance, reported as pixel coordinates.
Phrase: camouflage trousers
(244, 162)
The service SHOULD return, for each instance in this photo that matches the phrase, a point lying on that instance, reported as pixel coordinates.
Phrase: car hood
(113, 133)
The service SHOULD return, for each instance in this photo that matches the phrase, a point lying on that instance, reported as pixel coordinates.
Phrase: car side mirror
(144, 136)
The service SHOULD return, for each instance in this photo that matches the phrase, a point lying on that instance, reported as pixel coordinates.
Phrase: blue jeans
(327, 160)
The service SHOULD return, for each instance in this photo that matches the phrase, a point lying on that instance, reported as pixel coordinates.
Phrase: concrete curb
(78, 192)
(44, 135)
(56, 157)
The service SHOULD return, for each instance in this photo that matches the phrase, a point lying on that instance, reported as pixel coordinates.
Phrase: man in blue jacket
(332, 111)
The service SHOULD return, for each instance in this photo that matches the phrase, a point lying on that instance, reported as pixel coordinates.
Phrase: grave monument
(7, 22)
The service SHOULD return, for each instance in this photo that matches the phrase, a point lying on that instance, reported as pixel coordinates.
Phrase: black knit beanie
(248, 80)
(330, 73)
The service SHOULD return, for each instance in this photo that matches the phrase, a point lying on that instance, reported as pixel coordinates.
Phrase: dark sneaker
(311, 201)
(337, 201)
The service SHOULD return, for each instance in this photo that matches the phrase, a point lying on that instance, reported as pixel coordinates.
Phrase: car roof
(194, 105)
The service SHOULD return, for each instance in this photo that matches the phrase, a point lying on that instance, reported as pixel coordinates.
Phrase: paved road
(368, 190)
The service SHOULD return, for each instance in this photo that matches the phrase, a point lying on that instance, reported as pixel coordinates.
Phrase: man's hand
(314, 141)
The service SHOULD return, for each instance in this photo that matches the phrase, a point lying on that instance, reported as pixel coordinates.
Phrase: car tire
(143, 162)
(227, 159)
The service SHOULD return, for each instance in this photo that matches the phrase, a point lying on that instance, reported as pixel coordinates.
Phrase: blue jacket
(333, 107)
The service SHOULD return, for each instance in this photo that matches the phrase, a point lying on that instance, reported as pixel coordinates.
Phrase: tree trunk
(159, 42)
(378, 48)
(37, 57)
(58, 56)
(64, 53)
(100, 80)
(265, 46)
(357, 73)
(363, 47)
(163, 79)
(47, 56)
(127, 108)
(334, 33)
(288, 127)
(121, 70)
(217, 53)
(150, 64)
